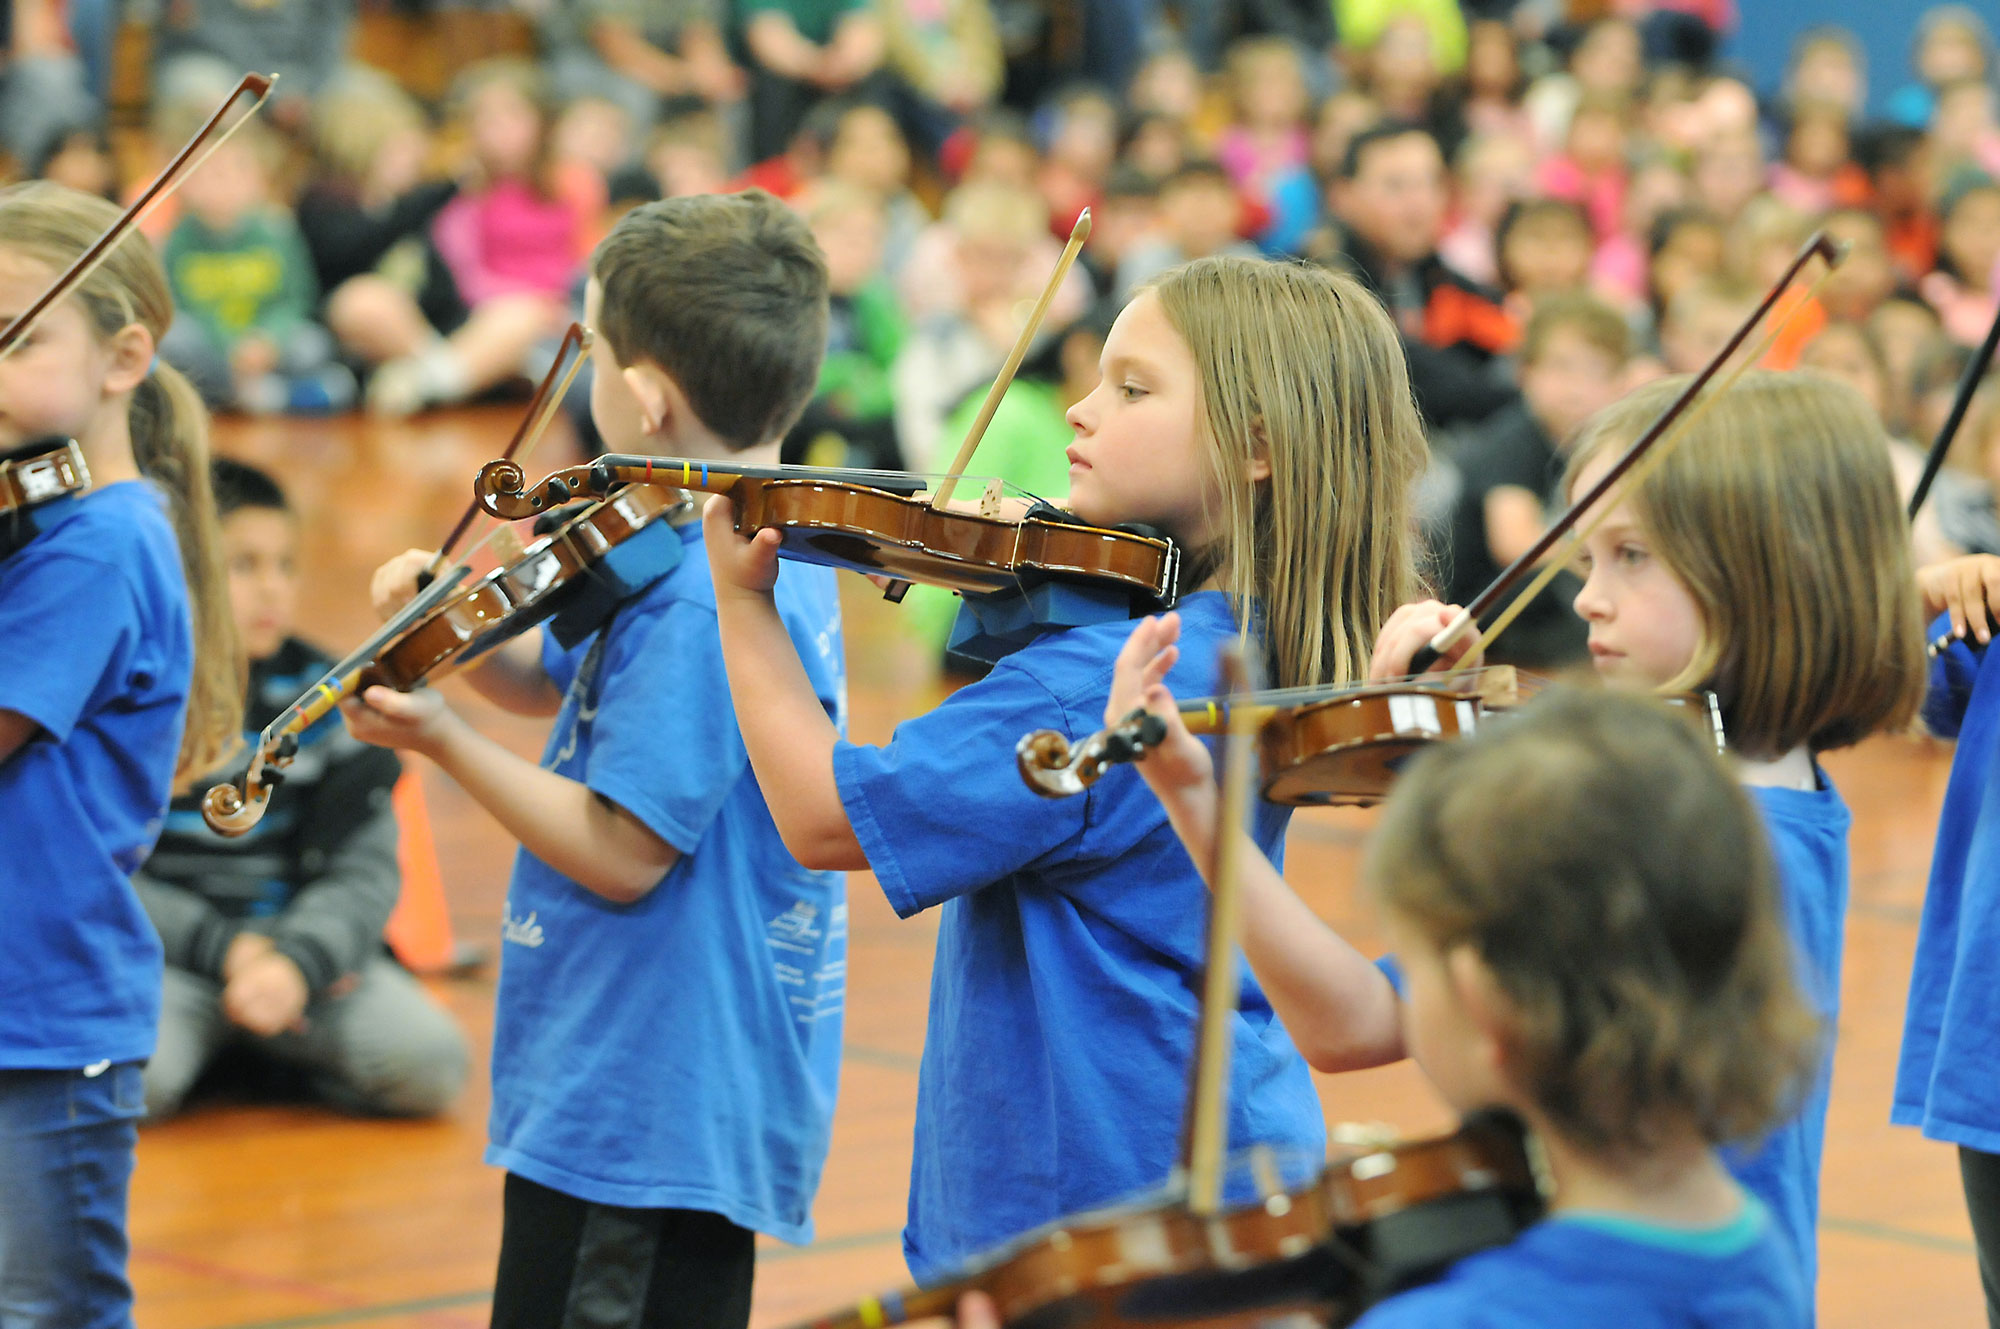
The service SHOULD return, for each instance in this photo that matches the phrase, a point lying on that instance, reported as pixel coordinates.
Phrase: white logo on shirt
(521, 931)
(820, 993)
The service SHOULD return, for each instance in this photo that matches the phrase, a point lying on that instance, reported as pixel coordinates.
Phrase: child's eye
(1131, 392)
(1631, 555)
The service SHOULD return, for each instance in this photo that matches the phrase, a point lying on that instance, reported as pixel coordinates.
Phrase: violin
(1374, 1221)
(1319, 748)
(41, 472)
(450, 624)
(879, 522)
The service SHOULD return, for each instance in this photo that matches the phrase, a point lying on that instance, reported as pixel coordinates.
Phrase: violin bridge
(507, 546)
(989, 498)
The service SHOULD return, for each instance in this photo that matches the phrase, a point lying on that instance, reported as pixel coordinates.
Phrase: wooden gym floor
(269, 1216)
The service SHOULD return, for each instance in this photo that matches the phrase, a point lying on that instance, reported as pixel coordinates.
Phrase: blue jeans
(66, 1144)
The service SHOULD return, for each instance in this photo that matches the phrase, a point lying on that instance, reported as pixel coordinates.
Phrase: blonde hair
(357, 117)
(1615, 882)
(1779, 515)
(53, 226)
(1301, 367)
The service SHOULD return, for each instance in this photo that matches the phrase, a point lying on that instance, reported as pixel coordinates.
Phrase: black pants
(566, 1263)
(1981, 1174)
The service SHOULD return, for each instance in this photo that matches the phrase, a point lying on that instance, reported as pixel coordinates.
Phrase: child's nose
(1081, 417)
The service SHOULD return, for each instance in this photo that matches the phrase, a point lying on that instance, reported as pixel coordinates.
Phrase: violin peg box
(990, 627)
(625, 570)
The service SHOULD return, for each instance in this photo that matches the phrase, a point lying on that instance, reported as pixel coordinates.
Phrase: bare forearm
(512, 677)
(1337, 1006)
(559, 820)
(786, 731)
(779, 46)
(626, 50)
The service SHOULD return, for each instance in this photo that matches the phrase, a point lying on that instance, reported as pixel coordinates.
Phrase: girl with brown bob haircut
(1767, 560)
(1583, 908)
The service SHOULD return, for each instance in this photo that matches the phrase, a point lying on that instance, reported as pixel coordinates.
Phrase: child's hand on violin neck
(1968, 589)
(1179, 763)
(1408, 631)
(395, 582)
(735, 563)
(414, 721)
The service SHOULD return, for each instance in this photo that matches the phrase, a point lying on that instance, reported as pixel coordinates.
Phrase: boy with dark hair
(667, 1038)
(274, 941)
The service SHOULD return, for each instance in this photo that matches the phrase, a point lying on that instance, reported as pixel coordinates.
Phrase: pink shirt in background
(509, 239)
(1602, 195)
(1250, 164)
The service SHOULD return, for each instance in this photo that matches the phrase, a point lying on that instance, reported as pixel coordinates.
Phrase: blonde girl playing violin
(1767, 560)
(1261, 415)
(119, 675)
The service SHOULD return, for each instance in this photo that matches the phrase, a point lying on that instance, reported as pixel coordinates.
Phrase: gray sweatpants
(384, 1048)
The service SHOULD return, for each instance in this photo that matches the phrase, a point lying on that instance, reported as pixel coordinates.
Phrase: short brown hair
(1591, 320)
(727, 294)
(1779, 514)
(1612, 877)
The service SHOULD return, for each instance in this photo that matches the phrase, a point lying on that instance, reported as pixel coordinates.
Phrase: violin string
(1310, 693)
(1639, 473)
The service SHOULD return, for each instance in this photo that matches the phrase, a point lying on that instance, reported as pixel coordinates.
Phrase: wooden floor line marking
(869, 1056)
(345, 1305)
(382, 1310)
(1855, 1227)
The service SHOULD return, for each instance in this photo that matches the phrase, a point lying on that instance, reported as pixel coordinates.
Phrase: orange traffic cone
(419, 931)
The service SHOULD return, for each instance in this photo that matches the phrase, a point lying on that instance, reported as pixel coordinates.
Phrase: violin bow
(555, 385)
(184, 164)
(1208, 1098)
(1078, 234)
(1968, 384)
(1670, 425)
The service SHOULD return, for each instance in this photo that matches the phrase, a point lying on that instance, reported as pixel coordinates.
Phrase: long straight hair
(1302, 368)
(53, 226)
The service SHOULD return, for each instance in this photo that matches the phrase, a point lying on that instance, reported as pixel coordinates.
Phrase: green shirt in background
(815, 19)
(256, 279)
(1024, 446)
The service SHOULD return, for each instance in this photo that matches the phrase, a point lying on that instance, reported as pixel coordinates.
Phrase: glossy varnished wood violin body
(451, 624)
(1371, 1222)
(879, 523)
(1340, 749)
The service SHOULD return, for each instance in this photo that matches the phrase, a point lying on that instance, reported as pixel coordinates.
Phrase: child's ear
(132, 350)
(1260, 453)
(1485, 1005)
(650, 389)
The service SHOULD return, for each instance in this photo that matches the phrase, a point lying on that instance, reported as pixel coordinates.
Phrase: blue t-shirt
(1950, 1065)
(1069, 953)
(1808, 831)
(1604, 1271)
(96, 647)
(682, 1051)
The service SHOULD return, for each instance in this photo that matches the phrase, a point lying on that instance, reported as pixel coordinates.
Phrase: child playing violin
(119, 677)
(1944, 1082)
(1766, 560)
(652, 891)
(1260, 414)
(1586, 917)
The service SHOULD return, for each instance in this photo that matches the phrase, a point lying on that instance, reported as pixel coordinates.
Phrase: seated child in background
(1199, 213)
(244, 285)
(1587, 918)
(851, 419)
(1573, 361)
(390, 299)
(1699, 321)
(1544, 249)
(274, 941)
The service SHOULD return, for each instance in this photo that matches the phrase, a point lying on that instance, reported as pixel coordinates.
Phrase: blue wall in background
(1766, 29)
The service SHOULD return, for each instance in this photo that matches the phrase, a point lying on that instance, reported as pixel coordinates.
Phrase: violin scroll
(229, 813)
(1055, 768)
